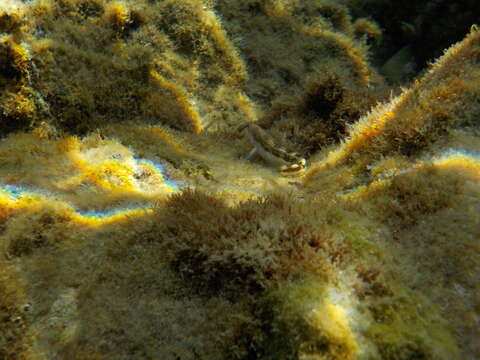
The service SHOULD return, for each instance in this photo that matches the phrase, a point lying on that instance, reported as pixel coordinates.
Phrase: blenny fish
(263, 145)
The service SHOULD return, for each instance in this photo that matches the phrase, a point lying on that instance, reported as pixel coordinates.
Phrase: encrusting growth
(130, 187)
(420, 116)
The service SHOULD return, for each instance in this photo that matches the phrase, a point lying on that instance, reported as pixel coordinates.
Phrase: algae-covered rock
(176, 63)
(133, 225)
(305, 323)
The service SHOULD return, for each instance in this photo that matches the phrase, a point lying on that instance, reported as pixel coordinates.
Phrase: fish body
(263, 145)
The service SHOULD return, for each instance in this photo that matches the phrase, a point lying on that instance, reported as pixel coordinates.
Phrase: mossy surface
(132, 225)
(304, 323)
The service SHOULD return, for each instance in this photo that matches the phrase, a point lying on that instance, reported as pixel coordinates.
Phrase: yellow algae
(308, 324)
(29, 201)
(368, 29)
(352, 53)
(81, 171)
(332, 321)
(123, 176)
(461, 163)
(389, 166)
(156, 137)
(364, 132)
(181, 109)
(402, 126)
(167, 138)
(118, 14)
(110, 176)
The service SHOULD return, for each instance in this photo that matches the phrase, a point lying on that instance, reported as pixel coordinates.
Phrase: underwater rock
(133, 226)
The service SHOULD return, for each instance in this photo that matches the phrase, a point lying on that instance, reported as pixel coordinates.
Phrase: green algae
(358, 259)
(401, 323)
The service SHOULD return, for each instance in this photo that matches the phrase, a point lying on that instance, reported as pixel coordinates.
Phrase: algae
(133, 227)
